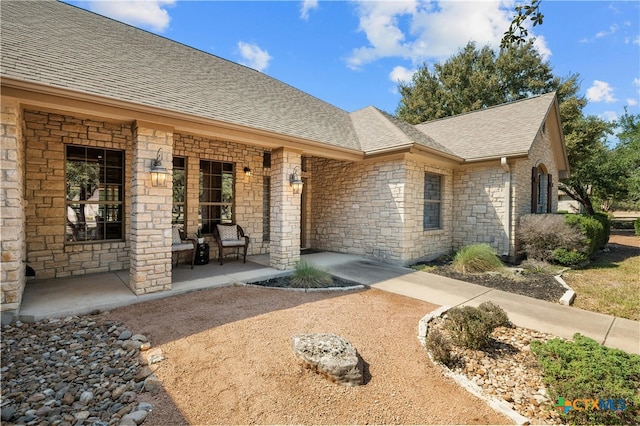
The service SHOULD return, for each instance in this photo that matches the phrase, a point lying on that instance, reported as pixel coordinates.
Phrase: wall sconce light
(247, 171)
(295, 181)
(158, 172)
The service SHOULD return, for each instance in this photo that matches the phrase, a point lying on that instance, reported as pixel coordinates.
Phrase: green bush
(307, 275)
(605, 221)
(542, 234)
(636, 226)
(471, 327)
(476, 258)
(584, 369)
(591, 228)
(439, 347)
(569, 257)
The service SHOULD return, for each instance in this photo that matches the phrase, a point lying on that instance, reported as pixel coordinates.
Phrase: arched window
(541, 190)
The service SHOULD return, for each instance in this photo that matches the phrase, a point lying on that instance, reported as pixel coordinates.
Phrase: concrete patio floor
(99, 292)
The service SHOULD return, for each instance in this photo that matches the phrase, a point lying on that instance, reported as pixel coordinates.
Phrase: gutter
(506, 223)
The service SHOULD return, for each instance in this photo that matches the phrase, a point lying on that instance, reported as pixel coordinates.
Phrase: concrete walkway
(81, 295)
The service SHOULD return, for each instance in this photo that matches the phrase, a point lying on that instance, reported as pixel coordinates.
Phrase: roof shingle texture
(118, 61)
(504, 130)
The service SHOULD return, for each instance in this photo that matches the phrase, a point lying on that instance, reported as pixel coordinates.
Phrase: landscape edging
(569, 295)
(469, 385)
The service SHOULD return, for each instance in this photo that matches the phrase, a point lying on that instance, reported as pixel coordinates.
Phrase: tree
(475, 79)
(517, 32)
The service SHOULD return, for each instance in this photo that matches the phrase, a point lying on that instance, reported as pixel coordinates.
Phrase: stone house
(89, 106)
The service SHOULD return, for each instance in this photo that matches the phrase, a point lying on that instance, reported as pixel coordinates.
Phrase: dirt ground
(229, 360)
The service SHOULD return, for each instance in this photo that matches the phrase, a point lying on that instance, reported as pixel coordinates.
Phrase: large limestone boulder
(331, 356)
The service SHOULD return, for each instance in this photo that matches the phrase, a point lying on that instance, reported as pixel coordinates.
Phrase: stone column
(12, 209)
(150, 269)
(284, 245)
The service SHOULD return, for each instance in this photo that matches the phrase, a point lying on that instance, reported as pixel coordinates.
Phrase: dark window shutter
(549, 193)
(534, 190)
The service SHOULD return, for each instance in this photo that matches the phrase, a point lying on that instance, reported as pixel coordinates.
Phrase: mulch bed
(541, 286)
(285, 282)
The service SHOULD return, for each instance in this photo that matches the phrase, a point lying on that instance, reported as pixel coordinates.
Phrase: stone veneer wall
(12, 270)
(45, 137)
(248, 189)
(479, 207)
(418, 242)
(540, 153)
(358, 208)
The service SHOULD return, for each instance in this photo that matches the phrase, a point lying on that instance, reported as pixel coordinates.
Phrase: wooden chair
(230, 236)
(181, 243)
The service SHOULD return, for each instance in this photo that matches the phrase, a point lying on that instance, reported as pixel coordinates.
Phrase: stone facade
(45, 137)
(12, 202)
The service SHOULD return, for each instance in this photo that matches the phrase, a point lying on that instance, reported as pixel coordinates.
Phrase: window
(541, 190)
(216, 194)
(94, 207)
(179, 169)
(432, 201)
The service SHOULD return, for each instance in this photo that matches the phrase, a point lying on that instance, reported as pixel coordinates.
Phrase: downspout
(506, 223)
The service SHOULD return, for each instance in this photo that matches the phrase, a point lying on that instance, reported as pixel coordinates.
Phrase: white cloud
(150, 14)
(632, 102)
(612, 30)
(600, 91)
(307, 6)
(421, 30)
(401, 74)
(609, 116)
(253, 56)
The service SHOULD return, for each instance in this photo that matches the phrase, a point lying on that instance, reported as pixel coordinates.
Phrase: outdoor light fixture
(247, 171)
(295, 181)
(158, 172)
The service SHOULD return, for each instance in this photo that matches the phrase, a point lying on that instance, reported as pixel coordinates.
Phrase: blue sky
(352, 53)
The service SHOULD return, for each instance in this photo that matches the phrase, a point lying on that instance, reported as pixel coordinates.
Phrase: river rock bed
(74, 371)
(507, 370)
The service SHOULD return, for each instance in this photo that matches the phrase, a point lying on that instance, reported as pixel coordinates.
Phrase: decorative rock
(145, 406)
(82, 415)
(138, 337)
(125, 335)
(68, 399)
(7, 413)
(152, 384)
(86, 396)
(137, 416)
(330, 355)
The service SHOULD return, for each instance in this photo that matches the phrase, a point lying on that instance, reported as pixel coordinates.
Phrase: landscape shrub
(569, 257)
(636, 226)
(605, 221)
(307, 275)
(584, 369)
(494, 314)
(476, 258)
(472, 327)
(541, 234)
(591, 228)
(439, 347)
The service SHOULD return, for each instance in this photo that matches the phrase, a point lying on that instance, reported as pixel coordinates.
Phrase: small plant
(636, 226)
(468, 327)
(541, 234)
(569, 257)
(472, 327)
(476, 258)
(592, 229)
(584, 369)
(439, 347)
(307, 275)
(494, 314)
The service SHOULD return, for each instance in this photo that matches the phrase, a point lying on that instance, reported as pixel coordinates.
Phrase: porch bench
(230, 235)
(180, 243)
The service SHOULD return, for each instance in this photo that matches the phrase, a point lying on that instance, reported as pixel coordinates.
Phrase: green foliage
(591, 228)
(474, 79)
(569, 257)
(476, 258)
(439, 347)
(518, 32)
(307, 275)
(605, 221)
(543, 234)
(636, 226)
(472, 327)
(584, 369)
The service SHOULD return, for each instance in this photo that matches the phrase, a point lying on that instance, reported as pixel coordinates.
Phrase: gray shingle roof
(378, 130)
(59, 45)
(503, 130)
